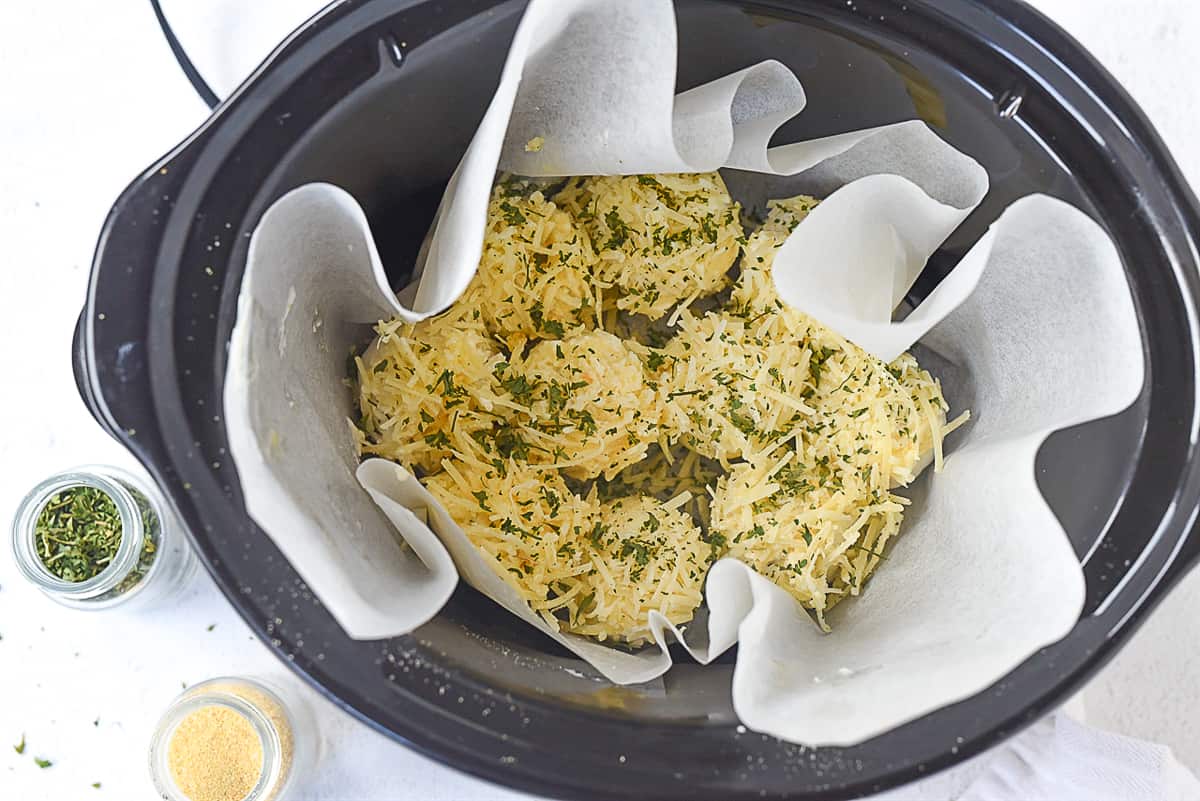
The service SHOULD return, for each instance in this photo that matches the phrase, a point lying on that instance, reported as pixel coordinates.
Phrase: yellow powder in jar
(215, 755)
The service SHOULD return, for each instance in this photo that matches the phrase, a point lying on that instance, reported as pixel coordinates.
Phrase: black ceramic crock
(381, 97)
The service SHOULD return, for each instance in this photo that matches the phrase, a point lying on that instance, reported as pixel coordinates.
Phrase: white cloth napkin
(1061, 759)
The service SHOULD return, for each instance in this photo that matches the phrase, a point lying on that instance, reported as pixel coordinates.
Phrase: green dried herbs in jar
(79, 531)
(95, 537)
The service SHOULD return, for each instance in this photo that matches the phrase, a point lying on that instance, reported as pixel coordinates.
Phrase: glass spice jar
(232, 739)
(151, 559)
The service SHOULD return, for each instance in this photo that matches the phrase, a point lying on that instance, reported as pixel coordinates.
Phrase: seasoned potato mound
(588, 404)
(423, 387)
(815, 432)
(585, 566)
(537, 273)
(601, 476)
(661, 239)
(643, 557)
(754, 290)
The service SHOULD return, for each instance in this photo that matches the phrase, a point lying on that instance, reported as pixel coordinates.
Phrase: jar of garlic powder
(231, 739)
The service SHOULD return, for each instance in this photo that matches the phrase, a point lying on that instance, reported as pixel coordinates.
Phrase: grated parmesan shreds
(424, 386)
(662, 240)
(440, 388)
(537, 272)
(823, 430)
(591, 567)
(674, 476)
(753, 432)
(589, 403)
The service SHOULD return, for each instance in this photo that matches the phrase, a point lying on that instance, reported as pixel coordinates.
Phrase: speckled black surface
(381, 96)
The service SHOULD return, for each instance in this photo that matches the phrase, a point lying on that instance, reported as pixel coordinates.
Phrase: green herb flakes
(77, 533)
(512, 215)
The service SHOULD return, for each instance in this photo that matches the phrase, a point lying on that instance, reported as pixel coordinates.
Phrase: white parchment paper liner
(588, 89)
(1038, 317)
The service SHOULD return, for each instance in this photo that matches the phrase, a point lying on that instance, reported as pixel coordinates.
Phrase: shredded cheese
(584, 565)
(823, 431)
(537, 274)
(590, 403)
(662, 240)
(603, 474)
(424, 388)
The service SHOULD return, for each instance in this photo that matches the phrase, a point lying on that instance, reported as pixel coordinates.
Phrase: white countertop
(92, 95)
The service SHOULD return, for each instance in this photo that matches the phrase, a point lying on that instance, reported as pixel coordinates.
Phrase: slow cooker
(381, 97)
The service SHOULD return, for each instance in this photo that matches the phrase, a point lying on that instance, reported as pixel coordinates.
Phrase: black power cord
(189, 69)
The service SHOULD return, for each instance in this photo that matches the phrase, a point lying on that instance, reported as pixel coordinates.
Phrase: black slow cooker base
(381, 97)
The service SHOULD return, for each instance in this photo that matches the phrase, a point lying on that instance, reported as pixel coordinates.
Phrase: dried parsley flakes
(77, 533)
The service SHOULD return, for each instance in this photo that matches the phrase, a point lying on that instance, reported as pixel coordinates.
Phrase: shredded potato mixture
(589, 406)
(592, 567)
(604, 475)
(425, 389)
(661, 239)
(536, 275)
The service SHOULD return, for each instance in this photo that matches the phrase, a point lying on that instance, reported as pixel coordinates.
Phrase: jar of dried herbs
(94, 537)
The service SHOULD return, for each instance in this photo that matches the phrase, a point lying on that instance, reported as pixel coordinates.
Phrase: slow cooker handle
(80, 370)
(110, 348)
(81, 344)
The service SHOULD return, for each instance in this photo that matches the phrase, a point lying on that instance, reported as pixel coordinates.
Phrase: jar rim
(211, 693)
(24, 531)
